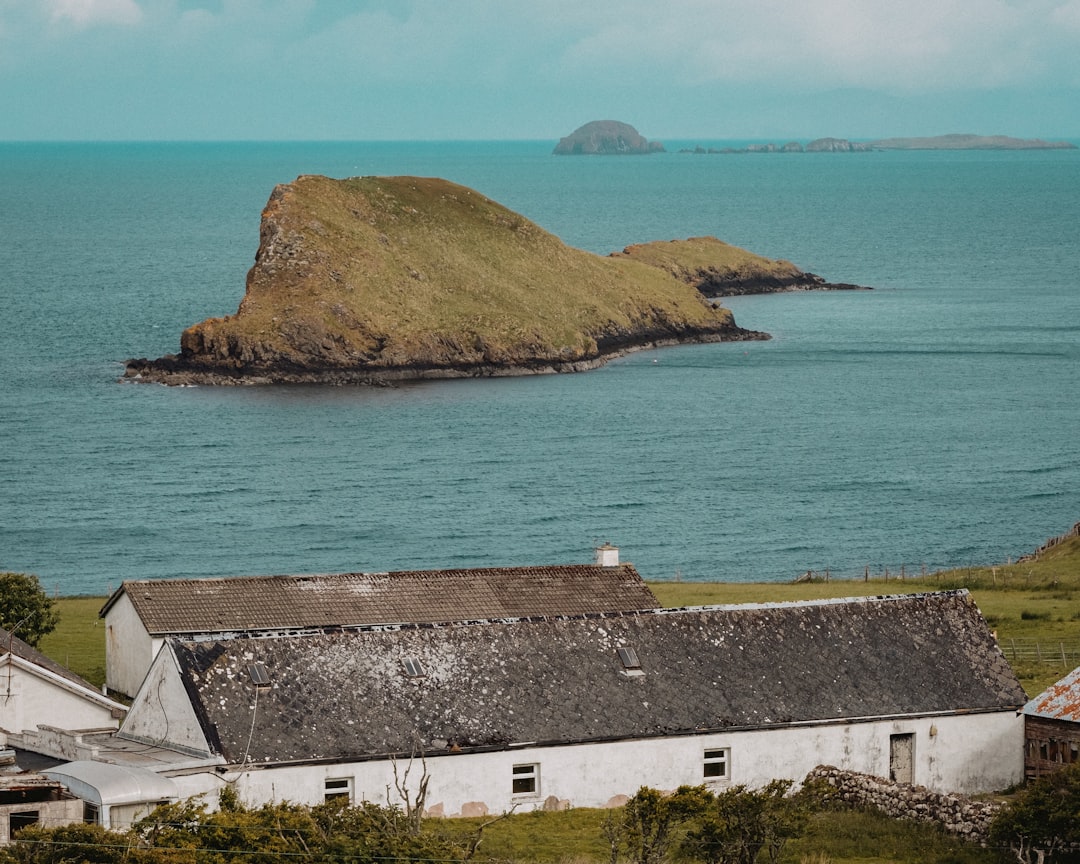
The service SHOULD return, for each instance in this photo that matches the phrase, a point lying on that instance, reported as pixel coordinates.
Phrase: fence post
(1038, 652)
(1064, 662)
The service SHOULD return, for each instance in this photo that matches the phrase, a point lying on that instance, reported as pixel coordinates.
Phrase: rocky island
(606, 138)
(937, 142)
(380, 279)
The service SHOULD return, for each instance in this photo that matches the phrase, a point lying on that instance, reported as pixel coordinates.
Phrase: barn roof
(366, 693)
(1059, 701)
(190, 606)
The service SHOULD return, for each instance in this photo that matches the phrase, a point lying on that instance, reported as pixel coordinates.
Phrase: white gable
(162, 713)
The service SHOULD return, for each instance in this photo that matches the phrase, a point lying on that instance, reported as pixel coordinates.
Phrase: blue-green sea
(934, 421)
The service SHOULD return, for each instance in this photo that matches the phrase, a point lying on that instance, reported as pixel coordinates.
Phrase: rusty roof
(558, 680)
(226, 605)
(1059, 701)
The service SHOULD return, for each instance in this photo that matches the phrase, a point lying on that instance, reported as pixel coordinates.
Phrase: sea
(932, 422)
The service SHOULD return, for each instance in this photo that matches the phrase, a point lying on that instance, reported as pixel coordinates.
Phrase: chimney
(607, 556)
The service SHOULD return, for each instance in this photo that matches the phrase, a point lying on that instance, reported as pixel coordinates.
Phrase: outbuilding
(1052, 727)
(582, 710)
(141, 614)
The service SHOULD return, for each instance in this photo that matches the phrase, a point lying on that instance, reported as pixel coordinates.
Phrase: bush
(1040, 823)
(25, 608)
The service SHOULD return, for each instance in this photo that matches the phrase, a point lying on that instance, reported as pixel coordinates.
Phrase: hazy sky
(502, 69)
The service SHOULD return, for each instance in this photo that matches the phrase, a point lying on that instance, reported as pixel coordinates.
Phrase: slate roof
(558, 680)
(1059, 701)
(30, 654)
(179, 606)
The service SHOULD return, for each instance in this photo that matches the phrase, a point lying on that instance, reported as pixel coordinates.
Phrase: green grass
(687, 259)
(831, 837)
(78, 642)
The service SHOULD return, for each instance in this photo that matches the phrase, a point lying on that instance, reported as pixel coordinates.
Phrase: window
(23, 819)
(91, 813)
(338, 787)
(631, 663)
(414, 668)
(526, 780)
(716, 764)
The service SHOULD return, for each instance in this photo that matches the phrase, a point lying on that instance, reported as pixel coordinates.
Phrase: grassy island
(385, 278)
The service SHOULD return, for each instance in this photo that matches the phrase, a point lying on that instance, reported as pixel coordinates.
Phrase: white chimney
(607, 556)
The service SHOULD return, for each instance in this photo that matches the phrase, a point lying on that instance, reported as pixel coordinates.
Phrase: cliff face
(374, 279)
(606, 138)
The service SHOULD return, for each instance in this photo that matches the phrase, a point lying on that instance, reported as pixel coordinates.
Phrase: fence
(1034, 651)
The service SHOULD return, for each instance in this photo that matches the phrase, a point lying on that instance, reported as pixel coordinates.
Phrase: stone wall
(958, 815)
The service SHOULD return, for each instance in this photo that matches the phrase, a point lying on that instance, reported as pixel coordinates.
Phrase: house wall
(28, 700)
(966, 754)
(1050, 745)
(129, 649)
(51, 814)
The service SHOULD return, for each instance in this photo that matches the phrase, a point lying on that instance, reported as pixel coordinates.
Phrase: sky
(504, 69)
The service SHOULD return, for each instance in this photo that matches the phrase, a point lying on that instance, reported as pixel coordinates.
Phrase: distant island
(606, 138)
(378, 279)
(939, 142)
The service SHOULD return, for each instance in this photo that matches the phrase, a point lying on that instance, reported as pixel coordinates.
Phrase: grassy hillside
(686, 260)
(390, 273)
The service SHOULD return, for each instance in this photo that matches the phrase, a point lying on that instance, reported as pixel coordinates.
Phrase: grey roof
(107, 784)
(179, 606)
(560, 680)
(30, 654)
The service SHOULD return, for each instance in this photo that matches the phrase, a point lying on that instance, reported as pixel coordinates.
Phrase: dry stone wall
(958, 815)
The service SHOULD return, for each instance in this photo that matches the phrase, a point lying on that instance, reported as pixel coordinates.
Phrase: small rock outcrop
(837, 145)
(718, 269)
(606, 138)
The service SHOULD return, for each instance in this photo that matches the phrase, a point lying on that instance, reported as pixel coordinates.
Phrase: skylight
(629, 658)
(260, 675)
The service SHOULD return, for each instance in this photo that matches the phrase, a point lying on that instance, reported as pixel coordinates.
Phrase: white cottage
(38, 695)
(142, 614)
(582, 710)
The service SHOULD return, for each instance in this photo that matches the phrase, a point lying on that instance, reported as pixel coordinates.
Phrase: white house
(38, 694)
(582, 710)
(140, 615)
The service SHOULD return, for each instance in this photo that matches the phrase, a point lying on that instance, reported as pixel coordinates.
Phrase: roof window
(260, 675)
(631, 663)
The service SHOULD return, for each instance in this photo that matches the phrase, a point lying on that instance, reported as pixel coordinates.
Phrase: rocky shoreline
(772, 285)
(179, 370)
